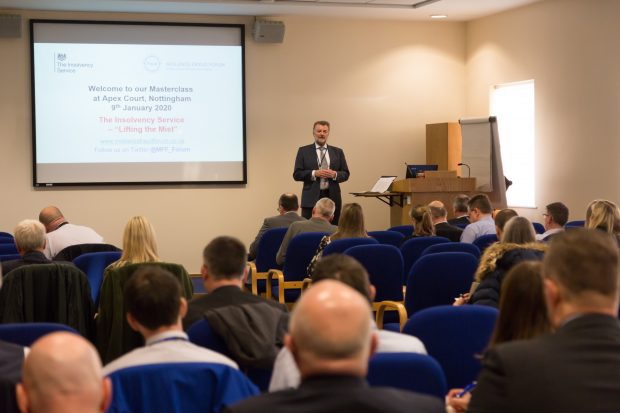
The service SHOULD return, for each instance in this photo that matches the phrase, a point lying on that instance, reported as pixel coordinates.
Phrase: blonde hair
(139, 244)
(604, 215)
(351, 223)
(422, 221)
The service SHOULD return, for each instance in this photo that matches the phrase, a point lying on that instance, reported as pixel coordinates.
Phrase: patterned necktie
(324, 184)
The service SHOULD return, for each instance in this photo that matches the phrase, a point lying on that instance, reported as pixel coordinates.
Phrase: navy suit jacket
(306, 161)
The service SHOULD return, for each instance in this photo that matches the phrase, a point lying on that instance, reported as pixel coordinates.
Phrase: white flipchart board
(481, 151)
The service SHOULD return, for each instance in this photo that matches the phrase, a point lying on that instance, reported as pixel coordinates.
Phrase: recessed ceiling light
(439, 16)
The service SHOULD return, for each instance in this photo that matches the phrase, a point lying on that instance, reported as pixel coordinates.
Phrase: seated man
(224, 271)
(350, 272)
(62, 373)
(61, 234)
(155, 307)
(556, 217)
(577, 368)
(288, 205)
(322, 216)
(481, 219)
(30, 243)
(332, 340)
(459, 208)
(439, 216)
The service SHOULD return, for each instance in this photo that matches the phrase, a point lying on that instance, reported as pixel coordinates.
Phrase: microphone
(468, 169)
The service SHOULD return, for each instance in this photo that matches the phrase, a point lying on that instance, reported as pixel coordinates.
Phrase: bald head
(51, 217)
(330, 331)
(63, 373)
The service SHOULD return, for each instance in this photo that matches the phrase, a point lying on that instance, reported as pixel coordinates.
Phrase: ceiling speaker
(10, 26)
(266, 31)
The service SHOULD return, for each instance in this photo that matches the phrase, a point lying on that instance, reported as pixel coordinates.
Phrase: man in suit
(577, 368)
(224, 271)
(459, 208)
(62, 373)
(288, 205)
(331, 340)
(321, 168)
(30, 243)
(556, 217)
(320, 221)
(439, 215)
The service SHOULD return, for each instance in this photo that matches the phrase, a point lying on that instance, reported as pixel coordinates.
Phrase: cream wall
(378, 82)
(569, 48)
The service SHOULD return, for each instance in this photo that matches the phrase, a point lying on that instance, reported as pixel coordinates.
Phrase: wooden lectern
(425, 190)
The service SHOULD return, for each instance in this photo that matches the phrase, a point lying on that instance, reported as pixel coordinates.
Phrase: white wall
(378, 82)
(569, 48)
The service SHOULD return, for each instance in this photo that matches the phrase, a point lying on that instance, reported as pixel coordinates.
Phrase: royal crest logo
(61, 56)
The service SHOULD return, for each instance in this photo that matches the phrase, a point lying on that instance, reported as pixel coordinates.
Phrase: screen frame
(36, 184)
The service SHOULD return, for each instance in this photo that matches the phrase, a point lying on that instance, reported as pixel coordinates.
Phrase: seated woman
(139, 244)
(522, 315)
(605, 216)
(350, 225)
(422, 222)
(518, 243)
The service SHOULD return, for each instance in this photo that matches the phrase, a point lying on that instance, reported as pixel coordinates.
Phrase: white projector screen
(137, 103)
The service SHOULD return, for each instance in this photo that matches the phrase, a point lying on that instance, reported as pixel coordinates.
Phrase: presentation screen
(137, 103)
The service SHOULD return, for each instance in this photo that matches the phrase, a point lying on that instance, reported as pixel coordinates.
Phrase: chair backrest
(394, 238)
(341, 245)
(9, 257)
(73, 251)
(6, 249)
(575, 224)
(56, 293)
(412, 248)
(408, 371)
(25, 334)
(201, 334)
(406, 230)
(114, 336)
(455, 337)
(538, 227)
(268, 249)
(384, 265)
(178, 387)
(6, 240)
(435, 279)
(483, 241)
(453, 247)
(299, 252)
(6, 234)
(93, 264)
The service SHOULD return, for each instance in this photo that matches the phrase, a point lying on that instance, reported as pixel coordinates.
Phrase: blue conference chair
(341, 245)
(6, 240)
(453, 247)
(300, 251)
(408, 371)
(25, 334)
(178, 388)
(266, 252)
(406, 230)
(435, 279)
(538, 227)
(9, 257)
(412, 248)
(6, 249)
(6, 234)
(483, 241)
(93, 265)
(456, 337)
(388, 237)
(573, 224)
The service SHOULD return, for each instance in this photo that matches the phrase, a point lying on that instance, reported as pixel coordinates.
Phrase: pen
(466, 390)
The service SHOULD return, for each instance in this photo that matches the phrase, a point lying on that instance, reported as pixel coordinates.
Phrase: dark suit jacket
(278, 221)
(575, 370)
(222, 297)
(31, 257)
(338, 394)
(443, 229)
(306, 161)
(459, 221)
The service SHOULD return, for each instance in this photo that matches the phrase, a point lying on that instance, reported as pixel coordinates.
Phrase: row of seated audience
(580, 273)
